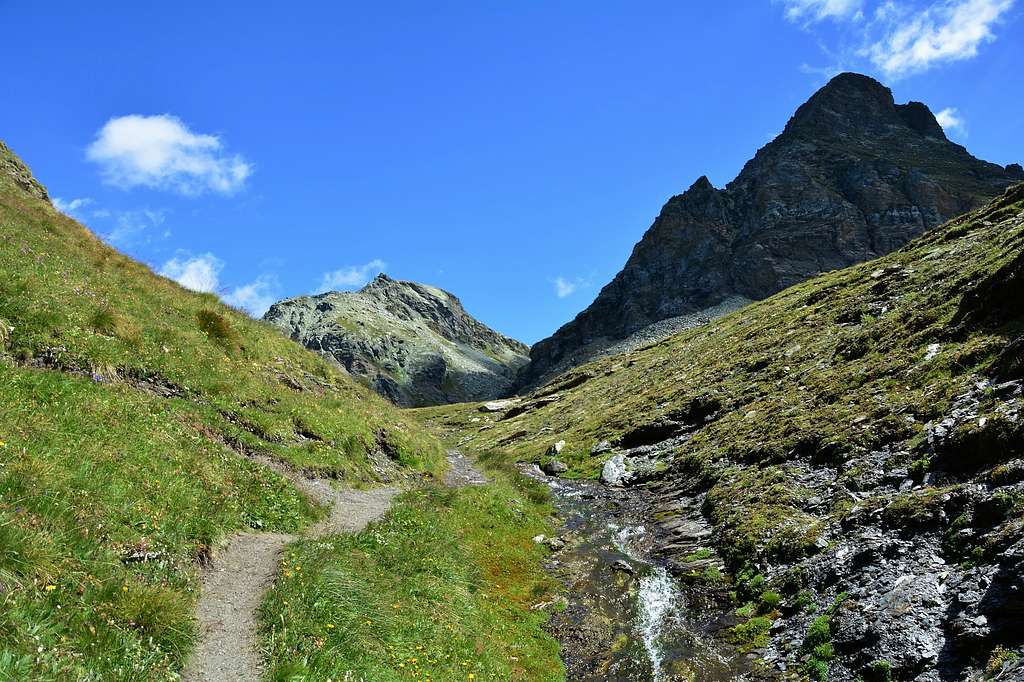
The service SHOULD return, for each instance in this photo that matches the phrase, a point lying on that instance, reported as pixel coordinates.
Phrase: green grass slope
(853, 361)
(127, 404)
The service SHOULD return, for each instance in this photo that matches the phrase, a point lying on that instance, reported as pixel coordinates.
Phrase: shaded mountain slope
(412, 343)
(853, 176)
(855, 444)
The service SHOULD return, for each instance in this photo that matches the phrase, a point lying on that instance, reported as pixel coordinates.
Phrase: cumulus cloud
(160, 152)
(198, 273)
(256, 296)
(951, 121)
(897, 38)
(71, 206)
(946, 31)
(810, 11)
(350, 277)
(567, 287)
(202, 273)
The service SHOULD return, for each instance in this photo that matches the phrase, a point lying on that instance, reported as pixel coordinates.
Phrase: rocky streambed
(625, 615)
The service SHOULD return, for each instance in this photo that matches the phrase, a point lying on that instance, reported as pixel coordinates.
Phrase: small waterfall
(660, 603)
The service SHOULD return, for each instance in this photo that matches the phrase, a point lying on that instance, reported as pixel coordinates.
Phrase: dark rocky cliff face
(853, 176)
(414, 344)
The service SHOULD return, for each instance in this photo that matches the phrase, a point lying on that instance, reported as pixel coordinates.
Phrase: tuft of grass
(1000, 657)
(817, 644)
(753, 634)
(109, 322)
(215, 326)
(878, 671)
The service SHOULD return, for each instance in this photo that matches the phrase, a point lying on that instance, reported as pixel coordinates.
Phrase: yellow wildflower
(51, 588)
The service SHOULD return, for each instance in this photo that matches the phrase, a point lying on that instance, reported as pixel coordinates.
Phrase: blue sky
(511, 153)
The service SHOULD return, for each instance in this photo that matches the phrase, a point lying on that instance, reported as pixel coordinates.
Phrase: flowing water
(627, 617)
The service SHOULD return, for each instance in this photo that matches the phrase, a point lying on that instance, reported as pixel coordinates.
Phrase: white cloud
(202, 273)
(256, 296)
(810, 11)
(71, 207)
(567, 287)
(951, 121)
(132, 224)
(162, 153)
(199, 273)
(350, 277)
(949, 30)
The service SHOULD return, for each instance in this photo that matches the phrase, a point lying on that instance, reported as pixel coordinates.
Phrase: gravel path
(461, 471)
(245, 568)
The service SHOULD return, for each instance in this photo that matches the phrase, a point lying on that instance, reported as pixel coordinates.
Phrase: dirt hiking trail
(245, 568)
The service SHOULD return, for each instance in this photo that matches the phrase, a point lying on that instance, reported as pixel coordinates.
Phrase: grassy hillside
(128, 403)
(800, 372)
(873, 413)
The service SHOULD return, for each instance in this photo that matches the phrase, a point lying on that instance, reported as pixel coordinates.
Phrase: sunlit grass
(440, 589)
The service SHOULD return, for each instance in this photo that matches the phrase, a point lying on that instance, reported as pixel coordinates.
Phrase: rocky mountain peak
(853, 176)
(919, 117)
(413, 343)
(852, 101)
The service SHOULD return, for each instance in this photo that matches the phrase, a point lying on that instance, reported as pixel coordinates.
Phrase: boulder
(554, 467)
(499, 405)
(614, 471)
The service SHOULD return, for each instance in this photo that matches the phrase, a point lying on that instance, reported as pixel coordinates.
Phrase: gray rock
(622, 565)
(614, 471)
(499, 405)
(554, 467)
(16, 169)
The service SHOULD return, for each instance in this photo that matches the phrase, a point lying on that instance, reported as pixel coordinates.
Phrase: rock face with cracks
(852, 177)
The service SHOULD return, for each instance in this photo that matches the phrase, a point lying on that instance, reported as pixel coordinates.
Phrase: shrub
(769, 601)
(878, 671)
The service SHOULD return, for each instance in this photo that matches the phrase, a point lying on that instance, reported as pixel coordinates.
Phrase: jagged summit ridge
(852, 176)
(852, 100)
(413, 343)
